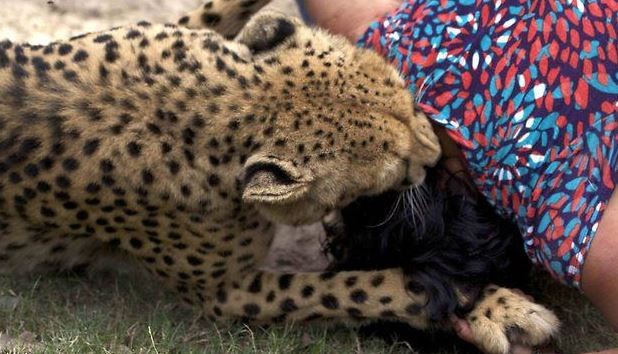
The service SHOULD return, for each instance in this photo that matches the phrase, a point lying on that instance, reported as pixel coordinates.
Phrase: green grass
(125, 314)
(583, 328)
(112, 313)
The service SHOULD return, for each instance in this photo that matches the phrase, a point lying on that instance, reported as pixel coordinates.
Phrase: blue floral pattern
(529, 90)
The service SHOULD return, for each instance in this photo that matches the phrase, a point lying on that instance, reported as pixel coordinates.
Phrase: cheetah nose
(430, 150)
(405, 184)
(407, 181)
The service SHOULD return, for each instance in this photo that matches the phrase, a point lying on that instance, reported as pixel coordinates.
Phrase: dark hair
(451, 240)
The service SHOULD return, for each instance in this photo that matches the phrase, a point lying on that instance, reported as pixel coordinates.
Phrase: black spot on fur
(377, 280)
(330, 302)
(358, 296)
(111, 51)
(354, 313)
(221, 296)
(102, 38)
(134, 149)
(91, 146)
(194, 261)
(65, 49)
(136, 243)
(147, 176)
(385, 300)
(251, 310)
(19, 72)
(256, 284)
(63, 182)
(70, 164)
(31, 170)
(288, 305)
(4, 59)
(285, 281)
(106, 166)
(80, 56)
(40, 66)
(351, 281)
(133, 34)
(307, 291)
(43, 187)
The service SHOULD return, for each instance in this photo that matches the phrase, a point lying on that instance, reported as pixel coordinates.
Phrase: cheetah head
(342, 124)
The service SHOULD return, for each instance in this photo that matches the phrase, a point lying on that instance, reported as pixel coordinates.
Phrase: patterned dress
(529, 90)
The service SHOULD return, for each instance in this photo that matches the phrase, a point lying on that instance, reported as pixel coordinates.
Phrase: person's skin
(600, 274)
(348, 18)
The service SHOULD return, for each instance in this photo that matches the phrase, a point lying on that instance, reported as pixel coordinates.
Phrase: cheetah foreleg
(351, 297)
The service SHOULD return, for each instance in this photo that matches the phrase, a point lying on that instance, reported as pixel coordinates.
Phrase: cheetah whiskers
(415, 204)
(392, 213)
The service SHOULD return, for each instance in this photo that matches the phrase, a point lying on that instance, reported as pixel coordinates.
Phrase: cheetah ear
(266, 31)
(270, 180)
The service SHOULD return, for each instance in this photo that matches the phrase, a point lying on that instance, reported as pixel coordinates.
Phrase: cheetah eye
(269, 180)
(267, 170)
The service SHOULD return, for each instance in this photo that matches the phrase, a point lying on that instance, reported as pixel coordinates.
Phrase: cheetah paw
(503, 318)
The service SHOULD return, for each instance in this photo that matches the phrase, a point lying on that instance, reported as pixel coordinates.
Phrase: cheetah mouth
(407, 184)
(415, 175)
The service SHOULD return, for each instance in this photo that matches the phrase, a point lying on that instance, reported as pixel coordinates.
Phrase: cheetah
(182, 150)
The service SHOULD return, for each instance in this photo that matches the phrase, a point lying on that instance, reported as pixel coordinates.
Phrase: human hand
(348, 18)
(463, 331)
